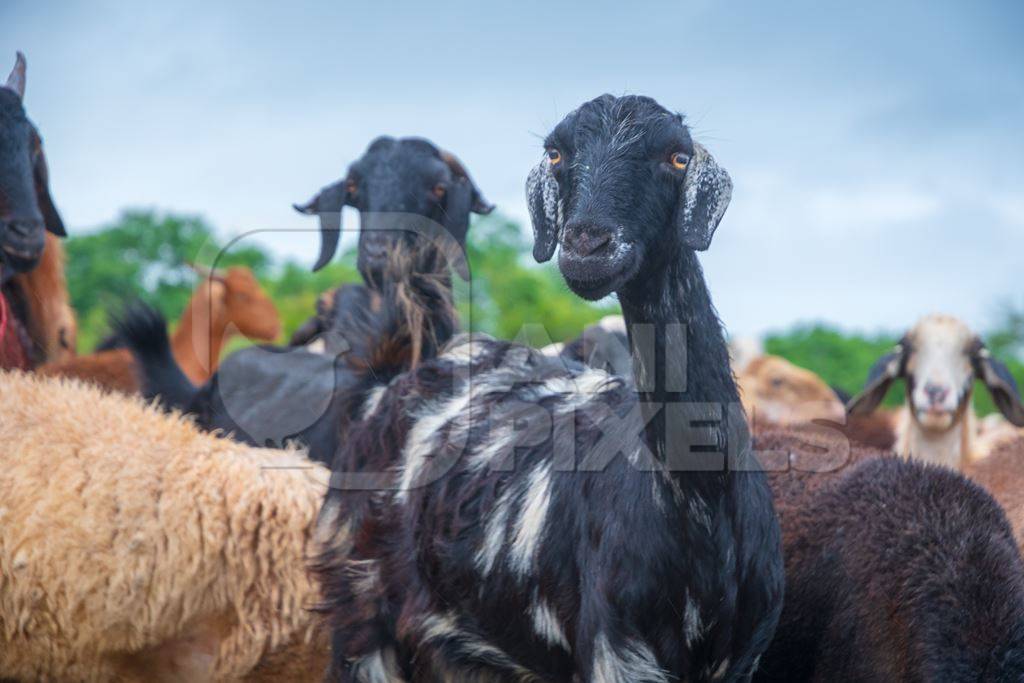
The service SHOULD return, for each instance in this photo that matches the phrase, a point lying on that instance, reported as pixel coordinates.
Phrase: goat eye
(554, 156)
(679, 160)
(439, 191)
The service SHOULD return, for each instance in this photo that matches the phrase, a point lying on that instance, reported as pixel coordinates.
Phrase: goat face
(940, 358)
(405, 189)
(622, 186)
(26, 209)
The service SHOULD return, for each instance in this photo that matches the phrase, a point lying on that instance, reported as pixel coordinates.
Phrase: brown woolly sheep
(223, 305)
(134, 547)
(1002, 473)
(775, 391)
(895, 570)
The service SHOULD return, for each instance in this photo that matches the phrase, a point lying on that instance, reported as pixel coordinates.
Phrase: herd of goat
(389, 499)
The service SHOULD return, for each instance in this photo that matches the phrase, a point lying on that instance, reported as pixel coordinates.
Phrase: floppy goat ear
(16, 81)
(882, 374)
(545, 210)
(1000, 383)
(477, 202)
(41, 174)
(327, 204)
(703, 200)
(461, 198)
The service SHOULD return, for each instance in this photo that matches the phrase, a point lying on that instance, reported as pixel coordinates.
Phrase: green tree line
(146, 255)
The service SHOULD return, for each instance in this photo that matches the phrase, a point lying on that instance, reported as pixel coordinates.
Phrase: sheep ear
(327, 204)
(16, 81)
(1001, 385)
(703, 200)
(882, 374)
(545, 210)
(51, 218)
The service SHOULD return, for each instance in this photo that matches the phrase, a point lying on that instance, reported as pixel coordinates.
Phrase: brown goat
(940, 359)
(223, 305)
(39, 312)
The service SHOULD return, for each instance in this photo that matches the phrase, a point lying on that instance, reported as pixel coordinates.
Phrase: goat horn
(16, 81)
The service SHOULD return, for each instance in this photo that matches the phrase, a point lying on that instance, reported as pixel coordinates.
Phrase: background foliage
(146, 255)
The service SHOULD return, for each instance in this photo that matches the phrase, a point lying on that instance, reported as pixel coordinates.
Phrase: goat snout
(22, 241)
(936, 393)
(586, 239)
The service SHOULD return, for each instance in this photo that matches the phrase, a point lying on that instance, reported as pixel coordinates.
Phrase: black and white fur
(498, 516)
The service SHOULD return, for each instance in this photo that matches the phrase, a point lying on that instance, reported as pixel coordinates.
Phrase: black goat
(604, 345)
(30, 303)
(895, 571)
(415, 202)
(26, 209)
(532, 526)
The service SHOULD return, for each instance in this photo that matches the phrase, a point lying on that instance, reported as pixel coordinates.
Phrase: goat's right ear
(882, 374)
(1000, 384)
(327, 204)
(545, 210)
(703, 199)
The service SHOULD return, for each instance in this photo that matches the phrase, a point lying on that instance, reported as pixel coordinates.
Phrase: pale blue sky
(876, 147)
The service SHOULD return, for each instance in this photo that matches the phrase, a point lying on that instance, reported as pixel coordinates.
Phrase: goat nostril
(936, 393)
(598, 243)
(587, 242)
(23, 228)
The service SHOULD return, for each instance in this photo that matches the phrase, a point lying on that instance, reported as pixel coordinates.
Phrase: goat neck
(953, 448)
(202, 333)
(680, 358)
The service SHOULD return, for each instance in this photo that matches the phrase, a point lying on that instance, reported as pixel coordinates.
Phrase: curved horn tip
(16, 81)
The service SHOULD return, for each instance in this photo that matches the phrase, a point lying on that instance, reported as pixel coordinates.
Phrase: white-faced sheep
(940, 359)
(509, 549)
(134, 547)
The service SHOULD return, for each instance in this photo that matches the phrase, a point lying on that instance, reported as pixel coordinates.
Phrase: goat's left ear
(703, 200)
(545, 210)
(41, 175)
(1000, 384)
(462, 198)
